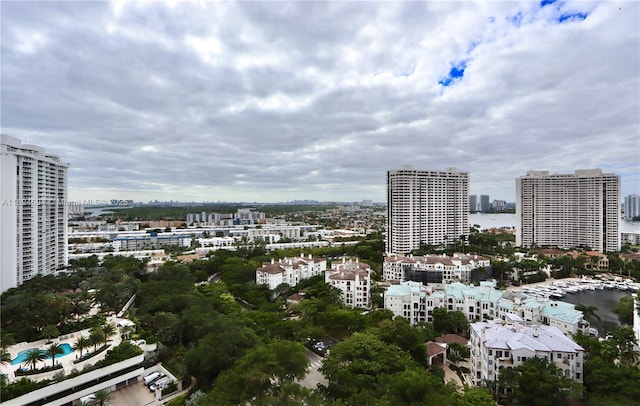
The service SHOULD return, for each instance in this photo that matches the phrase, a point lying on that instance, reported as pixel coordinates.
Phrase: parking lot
(135, 395)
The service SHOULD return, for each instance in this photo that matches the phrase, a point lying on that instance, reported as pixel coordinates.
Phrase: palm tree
(101, 397)
(53, 350)
(96, 337)
(5, 356)
(33, 356)
(107, 330)
(49, 331)
(587, 311)
(80, 344)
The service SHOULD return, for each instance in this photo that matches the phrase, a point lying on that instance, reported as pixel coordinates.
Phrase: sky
(277, 101)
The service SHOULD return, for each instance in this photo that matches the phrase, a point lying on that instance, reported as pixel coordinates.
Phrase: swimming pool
(66, 347)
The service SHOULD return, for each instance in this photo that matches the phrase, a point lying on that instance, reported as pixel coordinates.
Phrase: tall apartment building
(426, 208)
(473, 203)
(33, 212)
(631, 207)
(568, 210)
(485, 204)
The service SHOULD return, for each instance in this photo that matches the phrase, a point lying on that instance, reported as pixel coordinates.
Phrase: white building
(496, 345)
(33, 212)
(353, 279)
(289, 270)
(416, 302)
(631, 207)
(426, 208)
(408, 300)
(568, 210)
(432, 268)
(150, 241)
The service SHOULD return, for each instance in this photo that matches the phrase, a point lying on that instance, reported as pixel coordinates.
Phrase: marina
(604, 294)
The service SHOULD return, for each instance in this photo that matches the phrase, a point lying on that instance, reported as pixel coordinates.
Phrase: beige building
(568, 210)
(426, 208)
(289, 270)
(353, 279)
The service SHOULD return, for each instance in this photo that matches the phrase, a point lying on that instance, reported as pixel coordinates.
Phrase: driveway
(313, 377)
(135, 395)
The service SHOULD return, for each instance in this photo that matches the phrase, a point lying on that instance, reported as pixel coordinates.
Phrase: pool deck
(68, 366)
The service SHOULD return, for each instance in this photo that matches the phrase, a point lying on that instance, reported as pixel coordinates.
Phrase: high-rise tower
(426, 208)
(568, 210)
(33, 212)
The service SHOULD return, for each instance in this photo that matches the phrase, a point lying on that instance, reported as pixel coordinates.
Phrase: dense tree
(537, 382)
(261, 371)
(357, 365)
(219, 349)
(399, 332)
(624, 309)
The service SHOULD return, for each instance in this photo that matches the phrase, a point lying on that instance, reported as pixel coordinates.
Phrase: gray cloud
(262, 101)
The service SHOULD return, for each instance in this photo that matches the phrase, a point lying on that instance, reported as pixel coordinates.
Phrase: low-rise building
(289, 270)
(416, 302)
(408, 300)
(353, 279)
(502, 344)
(432, 268)
(137, 242)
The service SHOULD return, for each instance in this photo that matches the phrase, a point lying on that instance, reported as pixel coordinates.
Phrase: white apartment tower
(631, 207)
(426, 208)
(33, 212)
(568, 210)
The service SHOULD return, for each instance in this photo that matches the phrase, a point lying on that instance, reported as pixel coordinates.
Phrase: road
(313, 377)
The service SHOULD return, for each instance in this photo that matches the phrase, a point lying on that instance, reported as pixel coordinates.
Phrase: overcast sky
(275, 101)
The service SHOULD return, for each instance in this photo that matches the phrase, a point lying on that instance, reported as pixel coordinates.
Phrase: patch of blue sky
(455, 74)
(516, 19)
(572, 17)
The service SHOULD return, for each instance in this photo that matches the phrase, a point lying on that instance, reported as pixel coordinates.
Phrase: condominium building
(415, 302)
(432, 268)
(499, 344)
(426, 208)
(289, 270)
(568, 210)
(33, 212)
(631, 207)
(485, 204)
(473, 203)
(353, 280)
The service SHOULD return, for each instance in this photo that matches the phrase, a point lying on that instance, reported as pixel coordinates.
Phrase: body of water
(497, 220)
(605, 301)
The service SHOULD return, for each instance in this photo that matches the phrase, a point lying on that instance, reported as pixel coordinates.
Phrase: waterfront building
(631, 207)
(33, 212)
(432, 268)
(416, 302)
(568, 210)
(499, 205)
(473, 203)
(353, 280)
(501, 344)
(426, 208)
(289, 270)
(485, 204)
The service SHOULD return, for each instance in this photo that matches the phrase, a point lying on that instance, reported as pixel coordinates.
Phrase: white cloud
(258, 102)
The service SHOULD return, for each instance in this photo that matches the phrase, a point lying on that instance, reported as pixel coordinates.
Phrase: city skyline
(253, 102)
